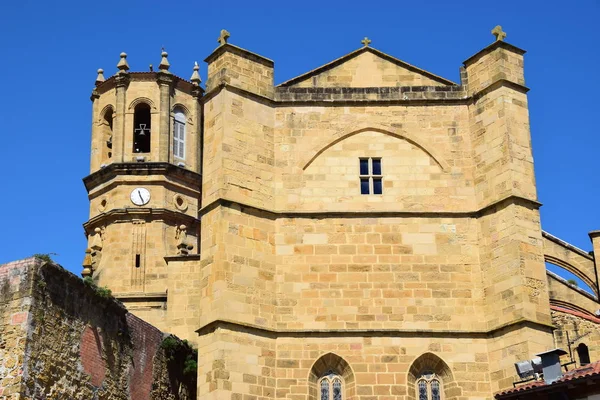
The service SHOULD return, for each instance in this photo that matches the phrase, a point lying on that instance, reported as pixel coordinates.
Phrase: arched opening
(142, 128)
(106, 124)
(583, 353)
(331, 378)
(179, 133)
(570, 277)
(430, 378)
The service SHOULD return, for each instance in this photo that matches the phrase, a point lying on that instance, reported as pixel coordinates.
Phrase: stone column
(165, 83)
(96, 149)
(121, 83)
(595, 238)
(197, 115)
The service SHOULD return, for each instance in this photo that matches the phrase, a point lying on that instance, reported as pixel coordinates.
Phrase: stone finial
(100, 77)
(96, 243)
(183, 246)
(122, 65)
(223, 37)
(195, 75)
(366, 41)
(164, 62)
(499, 33)
(87, 263)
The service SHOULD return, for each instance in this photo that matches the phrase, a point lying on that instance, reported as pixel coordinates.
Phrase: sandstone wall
(424, 150)
(378, 273)
(368, 69)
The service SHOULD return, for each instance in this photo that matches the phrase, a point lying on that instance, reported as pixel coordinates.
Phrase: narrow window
(435, 389)
(179, 135)
(107, 134)
(337, 389)
(422, 390)
(584, 354)
(137, 260)
(141, 128)
(371, 179)
(324, 389)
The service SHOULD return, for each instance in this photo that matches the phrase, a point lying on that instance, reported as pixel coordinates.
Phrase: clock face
(140, 196)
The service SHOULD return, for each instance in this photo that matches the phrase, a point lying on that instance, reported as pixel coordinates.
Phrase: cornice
(498, 44)
(497, 85)
(228, 47)
(145, 213)
(238, 326)
(513, 199)
(113, 170)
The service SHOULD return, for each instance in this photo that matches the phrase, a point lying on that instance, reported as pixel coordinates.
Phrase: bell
(141, 130)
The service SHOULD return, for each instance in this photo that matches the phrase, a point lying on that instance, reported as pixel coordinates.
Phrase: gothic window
(429, 387)
(330, 387)
(179, 134)
(371, 179)
(141, 128)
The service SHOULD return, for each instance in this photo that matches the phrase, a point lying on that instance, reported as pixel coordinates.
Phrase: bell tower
(144, 184)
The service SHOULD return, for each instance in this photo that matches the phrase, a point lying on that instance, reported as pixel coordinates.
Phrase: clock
(140, 196)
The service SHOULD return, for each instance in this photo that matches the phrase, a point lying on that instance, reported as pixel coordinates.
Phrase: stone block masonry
(60, 338)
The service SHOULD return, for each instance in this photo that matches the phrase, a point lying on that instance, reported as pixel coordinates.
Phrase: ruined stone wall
(15, 306)
(79, 343)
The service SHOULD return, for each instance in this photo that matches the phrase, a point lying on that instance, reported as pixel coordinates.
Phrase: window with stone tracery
(429, 387)
(330, 387)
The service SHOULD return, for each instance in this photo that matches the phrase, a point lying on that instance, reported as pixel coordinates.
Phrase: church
(366, 230)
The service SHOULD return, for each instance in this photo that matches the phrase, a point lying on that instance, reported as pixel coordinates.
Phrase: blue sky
(51, 51)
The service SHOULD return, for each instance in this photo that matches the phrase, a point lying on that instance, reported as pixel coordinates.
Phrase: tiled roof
(586, 371)
(576, 313)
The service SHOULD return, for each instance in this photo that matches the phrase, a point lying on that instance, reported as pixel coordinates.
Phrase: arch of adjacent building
(571, 259)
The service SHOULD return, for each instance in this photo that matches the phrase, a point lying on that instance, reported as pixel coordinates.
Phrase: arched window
(429, 387)
(179, 134)
(331, 387)
(331, 378)
(583, 353)
(141, 128)
(107, 133)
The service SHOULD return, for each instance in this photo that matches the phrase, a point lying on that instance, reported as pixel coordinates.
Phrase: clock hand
(140, 194)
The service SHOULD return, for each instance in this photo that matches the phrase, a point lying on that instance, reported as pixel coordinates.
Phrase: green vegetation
(172, 347)
(103, 292)
(44, 257)
(572, 282)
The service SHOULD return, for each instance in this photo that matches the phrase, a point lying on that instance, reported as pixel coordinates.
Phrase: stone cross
(223, 37)
(499, 33)
(366, 41)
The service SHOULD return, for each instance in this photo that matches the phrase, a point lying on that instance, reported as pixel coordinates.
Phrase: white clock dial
(140, 196)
